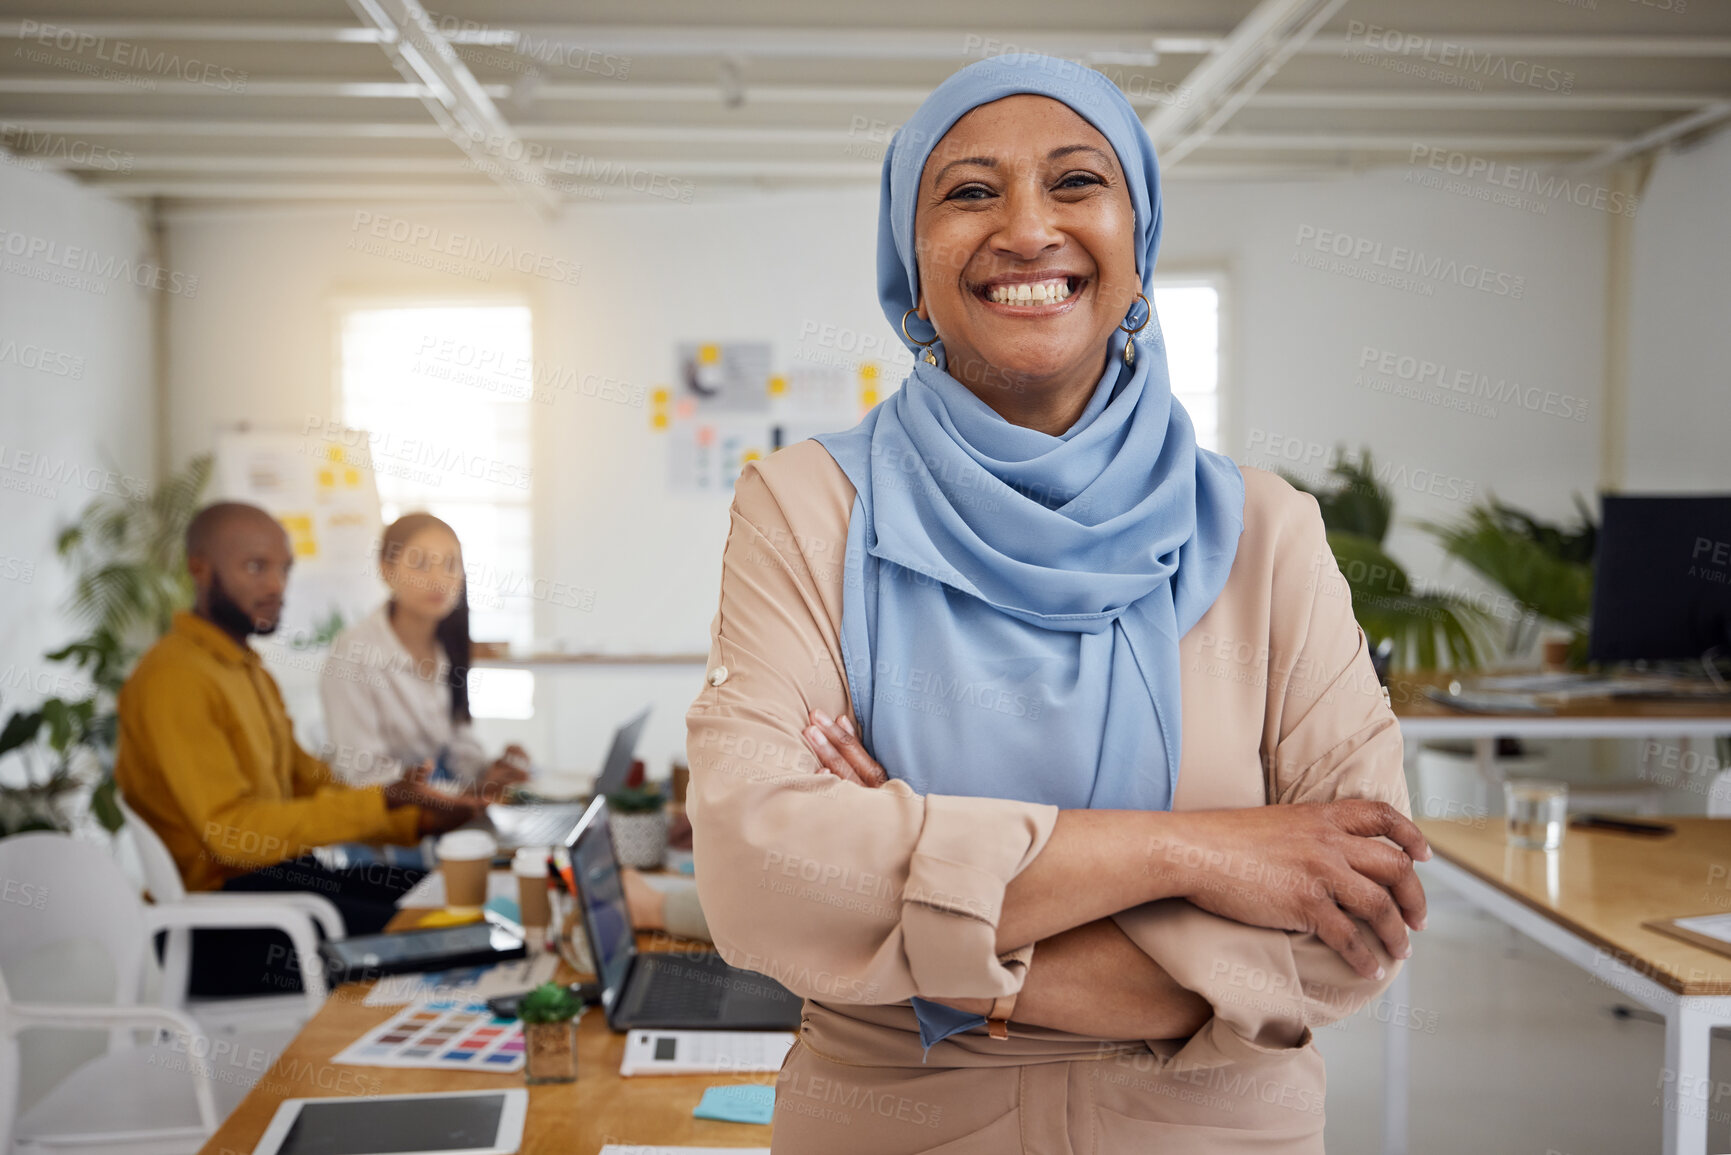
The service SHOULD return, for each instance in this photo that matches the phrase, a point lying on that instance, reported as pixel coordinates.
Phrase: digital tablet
(371, 956)
(457, 1123)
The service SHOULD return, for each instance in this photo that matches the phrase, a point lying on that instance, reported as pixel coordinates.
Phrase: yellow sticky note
(708, 354)
(658, 421)
(301, 537)
(661, 395)
(777, 385)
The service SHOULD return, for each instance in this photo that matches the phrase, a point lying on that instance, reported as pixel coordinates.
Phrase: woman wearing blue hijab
(1039, 750)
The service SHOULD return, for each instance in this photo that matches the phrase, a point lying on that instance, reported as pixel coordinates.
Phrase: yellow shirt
(207, 756)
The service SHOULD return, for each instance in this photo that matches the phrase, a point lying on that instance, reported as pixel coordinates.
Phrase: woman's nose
(1029, 227)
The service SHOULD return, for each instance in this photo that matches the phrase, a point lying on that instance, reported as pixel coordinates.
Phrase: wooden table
(1587, 902)
(577, 1118)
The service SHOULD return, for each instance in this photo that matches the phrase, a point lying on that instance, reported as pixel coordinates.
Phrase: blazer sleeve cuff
(968, 850)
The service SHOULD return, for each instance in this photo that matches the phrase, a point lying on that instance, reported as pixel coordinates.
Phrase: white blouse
(383, 714)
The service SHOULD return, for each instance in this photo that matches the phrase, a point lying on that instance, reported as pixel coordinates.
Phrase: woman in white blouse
(395, 687)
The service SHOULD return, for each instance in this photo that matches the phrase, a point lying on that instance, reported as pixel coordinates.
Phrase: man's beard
(228, 615)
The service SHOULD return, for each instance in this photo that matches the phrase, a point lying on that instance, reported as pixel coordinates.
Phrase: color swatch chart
(451, 1035)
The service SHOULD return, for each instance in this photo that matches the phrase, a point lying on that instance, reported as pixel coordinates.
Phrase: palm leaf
(1355, 502)
(1513, 552)
(1427, 630)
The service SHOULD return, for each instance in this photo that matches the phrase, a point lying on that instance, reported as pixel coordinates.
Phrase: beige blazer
(858, 899)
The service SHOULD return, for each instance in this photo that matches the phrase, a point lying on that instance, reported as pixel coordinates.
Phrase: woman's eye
(970, 192)
(1078, 180)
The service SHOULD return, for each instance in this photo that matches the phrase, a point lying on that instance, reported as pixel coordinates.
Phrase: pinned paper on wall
(812, 390)
(726, 378)
(730, 408)
(707, 455)
(324, 494)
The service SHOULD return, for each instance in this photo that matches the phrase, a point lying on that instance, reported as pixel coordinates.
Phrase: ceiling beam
(853, 96)
(455, 98)
(341, 89)
(1406, 42)
(445, 192)
(1696, 121)
(1223, 82)
(766, 135)
(857, 43)
(170, 126)
(233, 31)
(1403, 142)
(1450, 100)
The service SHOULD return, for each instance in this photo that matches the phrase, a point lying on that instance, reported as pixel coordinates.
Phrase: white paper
(1716, 926)
(705, 1052)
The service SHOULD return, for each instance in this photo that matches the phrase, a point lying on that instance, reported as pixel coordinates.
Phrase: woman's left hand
(838, 749)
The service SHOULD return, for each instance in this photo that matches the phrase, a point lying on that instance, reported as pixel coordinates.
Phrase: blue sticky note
(740, 1103)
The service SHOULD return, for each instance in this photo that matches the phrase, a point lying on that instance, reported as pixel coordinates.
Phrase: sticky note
(738, 1103)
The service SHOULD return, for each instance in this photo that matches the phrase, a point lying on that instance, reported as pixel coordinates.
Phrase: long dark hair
(453, 629)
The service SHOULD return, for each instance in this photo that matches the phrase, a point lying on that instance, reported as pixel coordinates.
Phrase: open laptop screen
(603, 895)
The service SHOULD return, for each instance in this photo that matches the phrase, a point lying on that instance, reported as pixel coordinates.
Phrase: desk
(570, 1119)
(1586, 902)
(1422, 719)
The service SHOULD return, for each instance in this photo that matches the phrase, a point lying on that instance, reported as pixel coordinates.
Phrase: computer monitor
(1661, 579)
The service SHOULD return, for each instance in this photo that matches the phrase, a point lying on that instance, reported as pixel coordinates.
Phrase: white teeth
(1030, 293)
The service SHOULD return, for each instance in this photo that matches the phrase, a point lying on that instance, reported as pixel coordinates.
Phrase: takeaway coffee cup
(464, 857)
(530, 866)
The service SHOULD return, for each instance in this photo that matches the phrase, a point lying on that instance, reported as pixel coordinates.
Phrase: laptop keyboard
(672, 991)
(541, 825)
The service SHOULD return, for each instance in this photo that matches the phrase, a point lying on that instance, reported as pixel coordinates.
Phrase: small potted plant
(638, 818)
(549, 1014)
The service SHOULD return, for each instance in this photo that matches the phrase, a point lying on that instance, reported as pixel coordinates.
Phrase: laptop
(548, 823)
(661, 989)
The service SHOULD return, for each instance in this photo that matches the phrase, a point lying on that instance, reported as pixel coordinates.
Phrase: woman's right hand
(1309, 867)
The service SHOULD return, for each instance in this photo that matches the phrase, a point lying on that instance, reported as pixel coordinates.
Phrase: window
(1189, 310)
(443, 393)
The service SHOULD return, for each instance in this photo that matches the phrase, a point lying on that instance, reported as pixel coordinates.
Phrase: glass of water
(1536, 809)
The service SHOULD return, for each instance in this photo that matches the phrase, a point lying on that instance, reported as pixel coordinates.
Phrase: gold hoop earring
(930, 357)
(1130, 345)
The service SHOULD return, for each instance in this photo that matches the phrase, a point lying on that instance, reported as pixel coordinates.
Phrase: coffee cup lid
(462, 845)
(530, 861)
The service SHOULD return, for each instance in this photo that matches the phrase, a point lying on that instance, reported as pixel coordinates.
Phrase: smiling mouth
(1031, 294)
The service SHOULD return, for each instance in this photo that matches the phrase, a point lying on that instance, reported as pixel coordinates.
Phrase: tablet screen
(422, 945)
(379, 1127)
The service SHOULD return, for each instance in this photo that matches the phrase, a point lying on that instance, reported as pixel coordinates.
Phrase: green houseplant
(549, 1014)
(1545, 568)
(1416, 628)
(127, 557)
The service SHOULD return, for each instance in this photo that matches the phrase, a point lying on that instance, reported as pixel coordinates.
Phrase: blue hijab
(1014, 600)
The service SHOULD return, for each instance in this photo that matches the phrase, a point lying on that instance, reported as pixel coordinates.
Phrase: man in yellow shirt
(207, 756)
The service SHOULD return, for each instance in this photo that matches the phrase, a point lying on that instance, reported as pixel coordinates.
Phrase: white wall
(1679, 429)
(257, 343)
(76, 400)
(76, 417)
